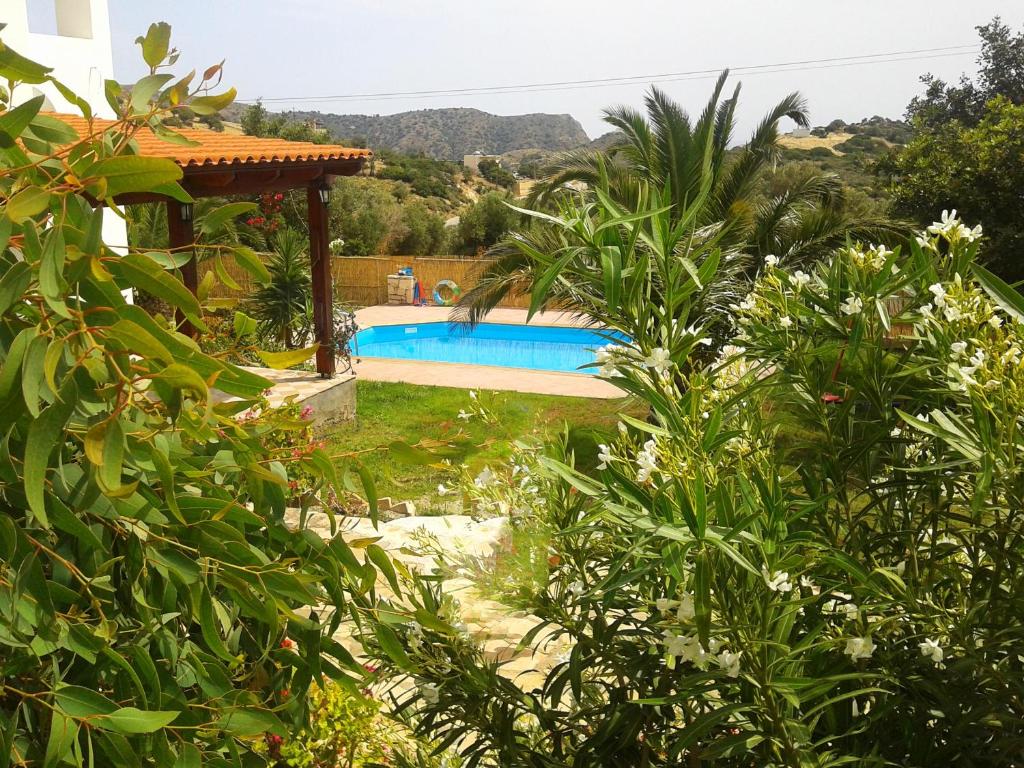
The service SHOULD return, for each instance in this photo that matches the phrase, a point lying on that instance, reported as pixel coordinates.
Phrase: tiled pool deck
(475, 376)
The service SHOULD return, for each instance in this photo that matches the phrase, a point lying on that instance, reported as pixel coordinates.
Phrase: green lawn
(408, 413)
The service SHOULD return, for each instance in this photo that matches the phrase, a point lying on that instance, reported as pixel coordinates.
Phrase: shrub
(808, 555)
(147, 576)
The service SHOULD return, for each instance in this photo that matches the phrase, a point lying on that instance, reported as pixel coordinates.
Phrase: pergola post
(323, 288)
(181, 237)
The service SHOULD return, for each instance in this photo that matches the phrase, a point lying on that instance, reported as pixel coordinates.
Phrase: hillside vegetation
(448, 134)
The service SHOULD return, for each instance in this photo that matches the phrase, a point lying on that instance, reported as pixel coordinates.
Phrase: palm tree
(283, 306)
(666, 149)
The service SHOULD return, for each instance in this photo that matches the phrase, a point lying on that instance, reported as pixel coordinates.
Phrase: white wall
(81, 57)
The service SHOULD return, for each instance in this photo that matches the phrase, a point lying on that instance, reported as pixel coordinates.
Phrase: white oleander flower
(778, 581)
(659, 361)
(686, 610)
(808, 583)
(958, 348)
(604, 455)
(995, 321)
(932, 649)
(441, 489)
(970, 235)
(939, 293)
(859, 648)
(465, 416)
(472, 394)
(430, 693)
(800, 279)
(952, 312)
(947, 224)
(852, 306)
(848, 608)
(748, 302)
(484, 478)
(664, 604)
(786, 321)
(647, 461)
(730, 662)
(771, 260)
(676, 645)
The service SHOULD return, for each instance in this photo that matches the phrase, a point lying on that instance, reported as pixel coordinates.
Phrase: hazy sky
(278, 48)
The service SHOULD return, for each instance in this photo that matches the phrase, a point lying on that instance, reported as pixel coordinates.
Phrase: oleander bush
(808, 555)
(148, 579)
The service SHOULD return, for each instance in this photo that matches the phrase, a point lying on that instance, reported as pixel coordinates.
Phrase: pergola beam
(181, 238)
(320, 273)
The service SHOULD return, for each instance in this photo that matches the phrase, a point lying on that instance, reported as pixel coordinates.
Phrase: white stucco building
(73, 37)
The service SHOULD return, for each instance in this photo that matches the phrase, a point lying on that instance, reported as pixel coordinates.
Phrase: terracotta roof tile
(217, 148)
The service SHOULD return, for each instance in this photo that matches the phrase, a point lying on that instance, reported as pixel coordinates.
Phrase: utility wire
(698, 74)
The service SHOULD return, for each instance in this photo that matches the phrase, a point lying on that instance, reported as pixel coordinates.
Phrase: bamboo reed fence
(363, 280)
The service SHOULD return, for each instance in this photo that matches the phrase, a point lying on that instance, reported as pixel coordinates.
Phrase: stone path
(498, 628)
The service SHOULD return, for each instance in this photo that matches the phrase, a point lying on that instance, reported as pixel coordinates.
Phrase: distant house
(73, 37)
(800, 133)
(472, 162)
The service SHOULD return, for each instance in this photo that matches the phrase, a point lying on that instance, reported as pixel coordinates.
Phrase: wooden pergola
(221, 164)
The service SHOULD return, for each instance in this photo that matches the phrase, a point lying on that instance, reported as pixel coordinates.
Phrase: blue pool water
(512, 346)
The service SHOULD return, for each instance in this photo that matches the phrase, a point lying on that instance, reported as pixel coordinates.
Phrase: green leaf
(244, 325)
(156, 43)
(14, 66)
(133, 173)
(113, 456)
(287, 359)
(82, 703)
(410, 454)
(370, 489)
(380, 558)
(143, 91)
(63, 732)
(249, 721)
(208, 626)
(392, 646)
(248, 260)
(129, 720)
(137, 339)
(214, 221)
(32, 373)
(142, 272)
(1002, 294)
(14, 121)
(182, 377)
(44, 434)
(211, 105)
(51, 130)
(29, 202)
(13, 285)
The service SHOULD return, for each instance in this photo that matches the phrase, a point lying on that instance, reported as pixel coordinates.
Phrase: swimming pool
(542, 348)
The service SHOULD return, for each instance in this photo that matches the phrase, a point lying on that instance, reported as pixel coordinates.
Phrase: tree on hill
(968, 152)
(1000, 73)
(492, 171)
(256, 121)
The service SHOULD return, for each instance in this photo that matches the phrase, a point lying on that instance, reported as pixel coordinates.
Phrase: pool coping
(473, 375)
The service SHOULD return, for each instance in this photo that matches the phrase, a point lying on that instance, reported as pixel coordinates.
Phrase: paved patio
(475, 376)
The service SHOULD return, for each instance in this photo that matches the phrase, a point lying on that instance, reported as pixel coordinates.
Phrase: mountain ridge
(451, 133)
